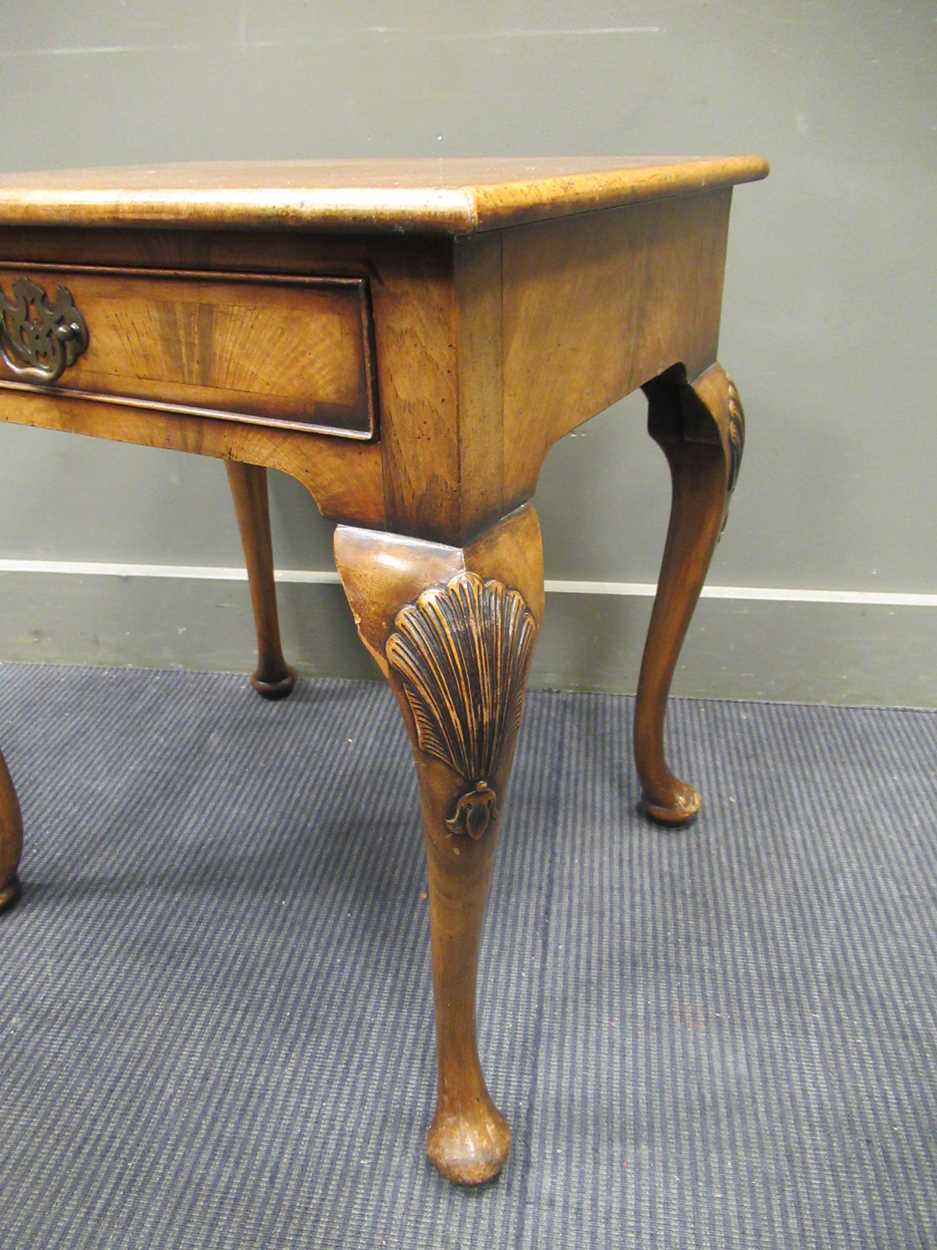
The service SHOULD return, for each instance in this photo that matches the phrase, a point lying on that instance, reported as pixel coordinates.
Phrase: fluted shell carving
(462, 652)
(736, 434)
(736, 438)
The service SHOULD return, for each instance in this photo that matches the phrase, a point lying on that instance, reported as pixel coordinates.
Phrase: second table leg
(273, 679)
(701, 430)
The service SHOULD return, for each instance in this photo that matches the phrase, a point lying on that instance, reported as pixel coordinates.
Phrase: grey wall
(828, 324)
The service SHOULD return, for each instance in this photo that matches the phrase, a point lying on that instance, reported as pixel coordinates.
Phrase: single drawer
(271, 350)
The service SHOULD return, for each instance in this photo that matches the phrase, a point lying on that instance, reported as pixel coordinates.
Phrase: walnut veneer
(407, 339)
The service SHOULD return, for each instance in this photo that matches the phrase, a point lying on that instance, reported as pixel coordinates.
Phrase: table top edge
(401, 197)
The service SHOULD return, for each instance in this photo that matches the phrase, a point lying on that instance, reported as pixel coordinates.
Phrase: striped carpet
(214, 1003)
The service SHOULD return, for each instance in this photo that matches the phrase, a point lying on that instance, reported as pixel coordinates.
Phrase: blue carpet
(214, 997)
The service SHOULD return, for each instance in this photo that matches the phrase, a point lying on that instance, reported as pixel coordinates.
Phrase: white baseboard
(566, 586)
(745, 642)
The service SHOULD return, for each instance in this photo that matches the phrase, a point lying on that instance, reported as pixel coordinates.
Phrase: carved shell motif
(736, 435)
(462, 652)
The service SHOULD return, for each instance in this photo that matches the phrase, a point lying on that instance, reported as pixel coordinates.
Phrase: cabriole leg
(453, 631)
(11, 839)
(701, 429)
(274, 679)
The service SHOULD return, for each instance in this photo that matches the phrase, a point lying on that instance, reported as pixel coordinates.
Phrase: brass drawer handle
(41, 346)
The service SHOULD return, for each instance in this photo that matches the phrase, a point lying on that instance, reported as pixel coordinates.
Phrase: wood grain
(414, 315)
(488, 348)
(594, 307)
(450, 196)
(696, 427)
(479, 346)
(344, 477)
(452, 629)
(259, 348)
(510, 301)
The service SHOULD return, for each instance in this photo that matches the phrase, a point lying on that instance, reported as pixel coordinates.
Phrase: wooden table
(407, 340)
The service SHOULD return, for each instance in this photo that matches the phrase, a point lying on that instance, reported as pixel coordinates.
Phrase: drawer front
(273, 350)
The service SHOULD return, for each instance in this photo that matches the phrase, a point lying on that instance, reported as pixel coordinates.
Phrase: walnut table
(408, 340)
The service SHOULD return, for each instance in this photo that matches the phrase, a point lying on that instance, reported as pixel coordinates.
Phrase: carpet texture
(215, 1006)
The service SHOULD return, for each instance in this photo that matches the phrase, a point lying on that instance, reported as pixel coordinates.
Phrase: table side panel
(596, 305)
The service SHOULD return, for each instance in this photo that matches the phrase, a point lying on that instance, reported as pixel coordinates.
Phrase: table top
(438, 196)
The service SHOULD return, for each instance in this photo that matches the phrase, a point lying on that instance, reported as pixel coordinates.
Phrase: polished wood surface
(273, 678)
(449, 196)
(453, 630)
(499, 305)
(265, 349)
(638, 289)
(487, 349)
(700, 429)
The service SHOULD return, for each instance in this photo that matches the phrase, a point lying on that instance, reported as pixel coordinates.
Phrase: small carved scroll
(40, 338)
(736, 434)
(736, 440)
(462, 653)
